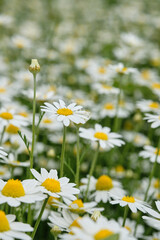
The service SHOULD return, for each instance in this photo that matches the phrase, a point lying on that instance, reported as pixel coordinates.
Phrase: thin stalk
(2, 135)
(33, 125)
(39, 218)
(63, 152)
(125, 215)
(78, 161)
(92, 170)
(115, 127)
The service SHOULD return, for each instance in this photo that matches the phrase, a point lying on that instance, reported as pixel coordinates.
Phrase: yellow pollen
(145, 74)
(4, 226)
(157, 152)
(51, 201)
(128, 228)
(128, 199)
(156, 184)
(102, 70)
(23, 114)
(156, 85)
(75, 224)
(6, 115)
(104, 183)
(13, 188)
(76, 206)
(109, 106)
(154, 105)
(46, 120)
(52, 185)
(20, 45)
(11, 129)
(119, 168)
(106, 87)
(2, 90)
(101, 136)
(104, 233)
(64, 111)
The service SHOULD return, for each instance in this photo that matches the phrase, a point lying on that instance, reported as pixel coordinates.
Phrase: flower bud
(55, 230)
(34, 67)
(95, 215)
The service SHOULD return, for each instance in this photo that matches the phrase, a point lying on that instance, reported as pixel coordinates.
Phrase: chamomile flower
(51, 185)
(148, 106)
(77, 206)
(121, 69)
(133, 203)
(103, 88)
(10, 230)
(101, 229)
(153, 221)
(14, 192)
(10, 160)
(65, 114)
(102, 188)
(154, 119)
(151, 153)
(102, 135)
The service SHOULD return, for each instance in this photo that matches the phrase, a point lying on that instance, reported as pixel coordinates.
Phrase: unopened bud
(95, 215)
(34, 67)
(55, 230)
(137, 117)
(51, 153)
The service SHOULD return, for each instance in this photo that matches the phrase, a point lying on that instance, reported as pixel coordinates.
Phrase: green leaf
(113, 237)
(25, 141)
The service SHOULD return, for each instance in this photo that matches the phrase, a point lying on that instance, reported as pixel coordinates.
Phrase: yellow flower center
(23, 114)
(2, 173)
(121, 71)
(109, 106)
(101, 136)
(51, 201)
(75, 224)
(145, 74)
(106, 87)
(2, 90)
(102, 70)
(119, 168)
(4, 226)
(128, 228)
(154, 105)
(104, 183)
(64, 111)
(156, 184)
(156, 85)
(11, 129)
(76, 206)
(103, 234)
(128, 199)
(6, 115)
(121, 103)
(157, 152)
(13, 188)
(52, 185)
(20, 45)
(47, 120)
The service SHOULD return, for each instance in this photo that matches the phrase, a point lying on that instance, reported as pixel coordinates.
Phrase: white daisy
(148, 106)
(121, 69)
(103, 135)
(154, 220)
(151, 153)
(53, 186)
(133, 203)
(10, 160)
(104, 188)
(101, 229)
(13, 192)
(154, 119)
(10, 230)
(103, 88)
(65, 114)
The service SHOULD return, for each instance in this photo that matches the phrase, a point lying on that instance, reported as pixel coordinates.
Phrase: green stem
(125, 215)
(33, 125)
(63, 152)
(78, 161)
(39, 218)
(2, 135)
(29, 214)
(92, 170)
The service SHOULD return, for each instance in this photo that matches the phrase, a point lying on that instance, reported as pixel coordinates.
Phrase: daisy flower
(104, 188)
(101, 229)
(3, 154)
(148, 106)
(151, 153)
(153, 221)
(10, 230)
(51, 185)
(121, 69)
(133, 203)
(13, 192)
(64, 220)
(77, 206)
(65, 114)
(10, 160)
(103, 88)
(154, 119)
(102, 135)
